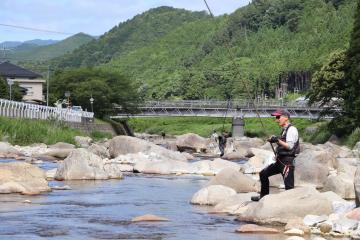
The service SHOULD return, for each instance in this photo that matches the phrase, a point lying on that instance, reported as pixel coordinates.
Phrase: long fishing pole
(237, 72)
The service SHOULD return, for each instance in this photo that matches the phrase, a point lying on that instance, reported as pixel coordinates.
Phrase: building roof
(10, 70)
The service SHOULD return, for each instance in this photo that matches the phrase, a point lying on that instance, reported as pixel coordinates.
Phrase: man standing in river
(287, 148)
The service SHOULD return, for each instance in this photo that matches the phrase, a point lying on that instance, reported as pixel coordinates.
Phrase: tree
(106, 87)
(328, 82)
(4, 91)
(351, 95)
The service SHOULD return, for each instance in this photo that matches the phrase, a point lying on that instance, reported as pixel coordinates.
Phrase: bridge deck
(222, 108)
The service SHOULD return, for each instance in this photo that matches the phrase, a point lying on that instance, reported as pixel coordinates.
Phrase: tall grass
(204, 126)
(25, 132)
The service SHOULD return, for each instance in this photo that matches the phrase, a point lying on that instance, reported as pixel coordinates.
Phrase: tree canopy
(106, 88)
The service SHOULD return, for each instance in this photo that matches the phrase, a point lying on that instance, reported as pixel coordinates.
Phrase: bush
(99, 135)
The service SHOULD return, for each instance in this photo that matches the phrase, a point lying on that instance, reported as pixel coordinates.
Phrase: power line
(35, 29)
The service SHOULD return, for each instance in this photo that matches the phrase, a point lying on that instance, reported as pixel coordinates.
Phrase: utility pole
(47, 86)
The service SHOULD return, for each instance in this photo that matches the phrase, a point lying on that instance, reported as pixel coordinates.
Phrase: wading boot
(256, 198)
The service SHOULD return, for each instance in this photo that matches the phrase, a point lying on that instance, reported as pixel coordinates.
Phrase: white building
(31, 81)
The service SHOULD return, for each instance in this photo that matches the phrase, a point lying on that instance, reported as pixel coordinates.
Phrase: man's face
(282, 120)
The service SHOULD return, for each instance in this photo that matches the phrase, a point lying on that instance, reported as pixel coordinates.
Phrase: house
(31, 81)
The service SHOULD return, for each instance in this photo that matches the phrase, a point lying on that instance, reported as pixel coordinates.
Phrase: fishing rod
(237, 72)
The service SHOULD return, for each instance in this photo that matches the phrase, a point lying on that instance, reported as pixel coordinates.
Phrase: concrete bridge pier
(238, 127)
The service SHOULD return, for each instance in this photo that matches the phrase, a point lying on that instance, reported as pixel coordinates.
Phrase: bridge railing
(15, 109)
(224, 104)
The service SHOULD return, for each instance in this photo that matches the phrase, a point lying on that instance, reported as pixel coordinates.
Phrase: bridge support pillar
(238, 127)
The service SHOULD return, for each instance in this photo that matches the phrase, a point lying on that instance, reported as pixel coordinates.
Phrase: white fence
(31, 111)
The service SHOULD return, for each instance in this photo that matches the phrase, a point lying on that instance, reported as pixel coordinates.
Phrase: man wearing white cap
(287, 148)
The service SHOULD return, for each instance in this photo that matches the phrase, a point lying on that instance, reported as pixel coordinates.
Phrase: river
(104, 209)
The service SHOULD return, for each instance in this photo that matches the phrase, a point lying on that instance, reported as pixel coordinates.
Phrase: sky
(94, 17)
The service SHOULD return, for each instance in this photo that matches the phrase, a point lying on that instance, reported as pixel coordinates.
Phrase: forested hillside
(173, 53)
(131, 35)
(33, 52)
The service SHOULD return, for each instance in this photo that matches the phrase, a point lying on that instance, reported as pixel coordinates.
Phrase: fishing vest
(283, 152)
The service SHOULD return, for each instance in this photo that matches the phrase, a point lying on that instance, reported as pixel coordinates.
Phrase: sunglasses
(278, 117)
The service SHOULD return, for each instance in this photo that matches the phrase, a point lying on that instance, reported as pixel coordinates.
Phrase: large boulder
(312, 167)
(122, 145)
(81, 164)
(62, 145)
(7, 149)
(340, 184)
(22, 178)
(207, 167)
(282, 207)
(233, 203)
(192, 142)
(236, 180)
(165, 167)
(212, 195)
(99, 150)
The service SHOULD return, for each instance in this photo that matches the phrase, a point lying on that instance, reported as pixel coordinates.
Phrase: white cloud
(90, 16)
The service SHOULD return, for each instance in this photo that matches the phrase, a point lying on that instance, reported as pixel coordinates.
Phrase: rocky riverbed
(322, 202)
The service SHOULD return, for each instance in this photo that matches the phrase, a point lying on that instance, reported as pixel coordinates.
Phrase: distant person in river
(214, 136)
(222, 142)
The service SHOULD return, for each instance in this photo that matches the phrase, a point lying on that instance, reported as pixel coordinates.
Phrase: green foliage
(16, 94)
(105, 87)
(329, 82)
(353, 138)
(4, 89)
(204, 126)
(99, 135)
(25, 132)
(352, 86)
(322, 134)
(142, 30)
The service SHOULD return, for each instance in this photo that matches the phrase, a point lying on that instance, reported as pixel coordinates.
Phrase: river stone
(294, 232)
(213, 167)
(83, 142)
(192, 142)
(298, 224)
(341, 185)
(50, 174)
(235, 180)
(212, 195)
(81, 164)
(325, 227)
(164, 167)
(295, 238)
(24, 178)
(61, 153)
(354, 214)
(149, 218)
(312, 167)
(62, 145)
(122, 145)
(279, 208)
(6, 148)
(343, 225)
(253, 228)
(233, 203)
(99, 150)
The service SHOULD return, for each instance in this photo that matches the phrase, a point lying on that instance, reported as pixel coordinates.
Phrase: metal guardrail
(235, 108)
(15, 109)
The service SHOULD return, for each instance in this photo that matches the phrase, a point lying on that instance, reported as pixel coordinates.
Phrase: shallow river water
(104, 209)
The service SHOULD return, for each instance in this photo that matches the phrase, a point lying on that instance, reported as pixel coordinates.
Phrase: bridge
(233, 109)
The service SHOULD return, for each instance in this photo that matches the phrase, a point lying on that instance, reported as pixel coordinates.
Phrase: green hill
(174, 53)
(33, 52)
(138, 32)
